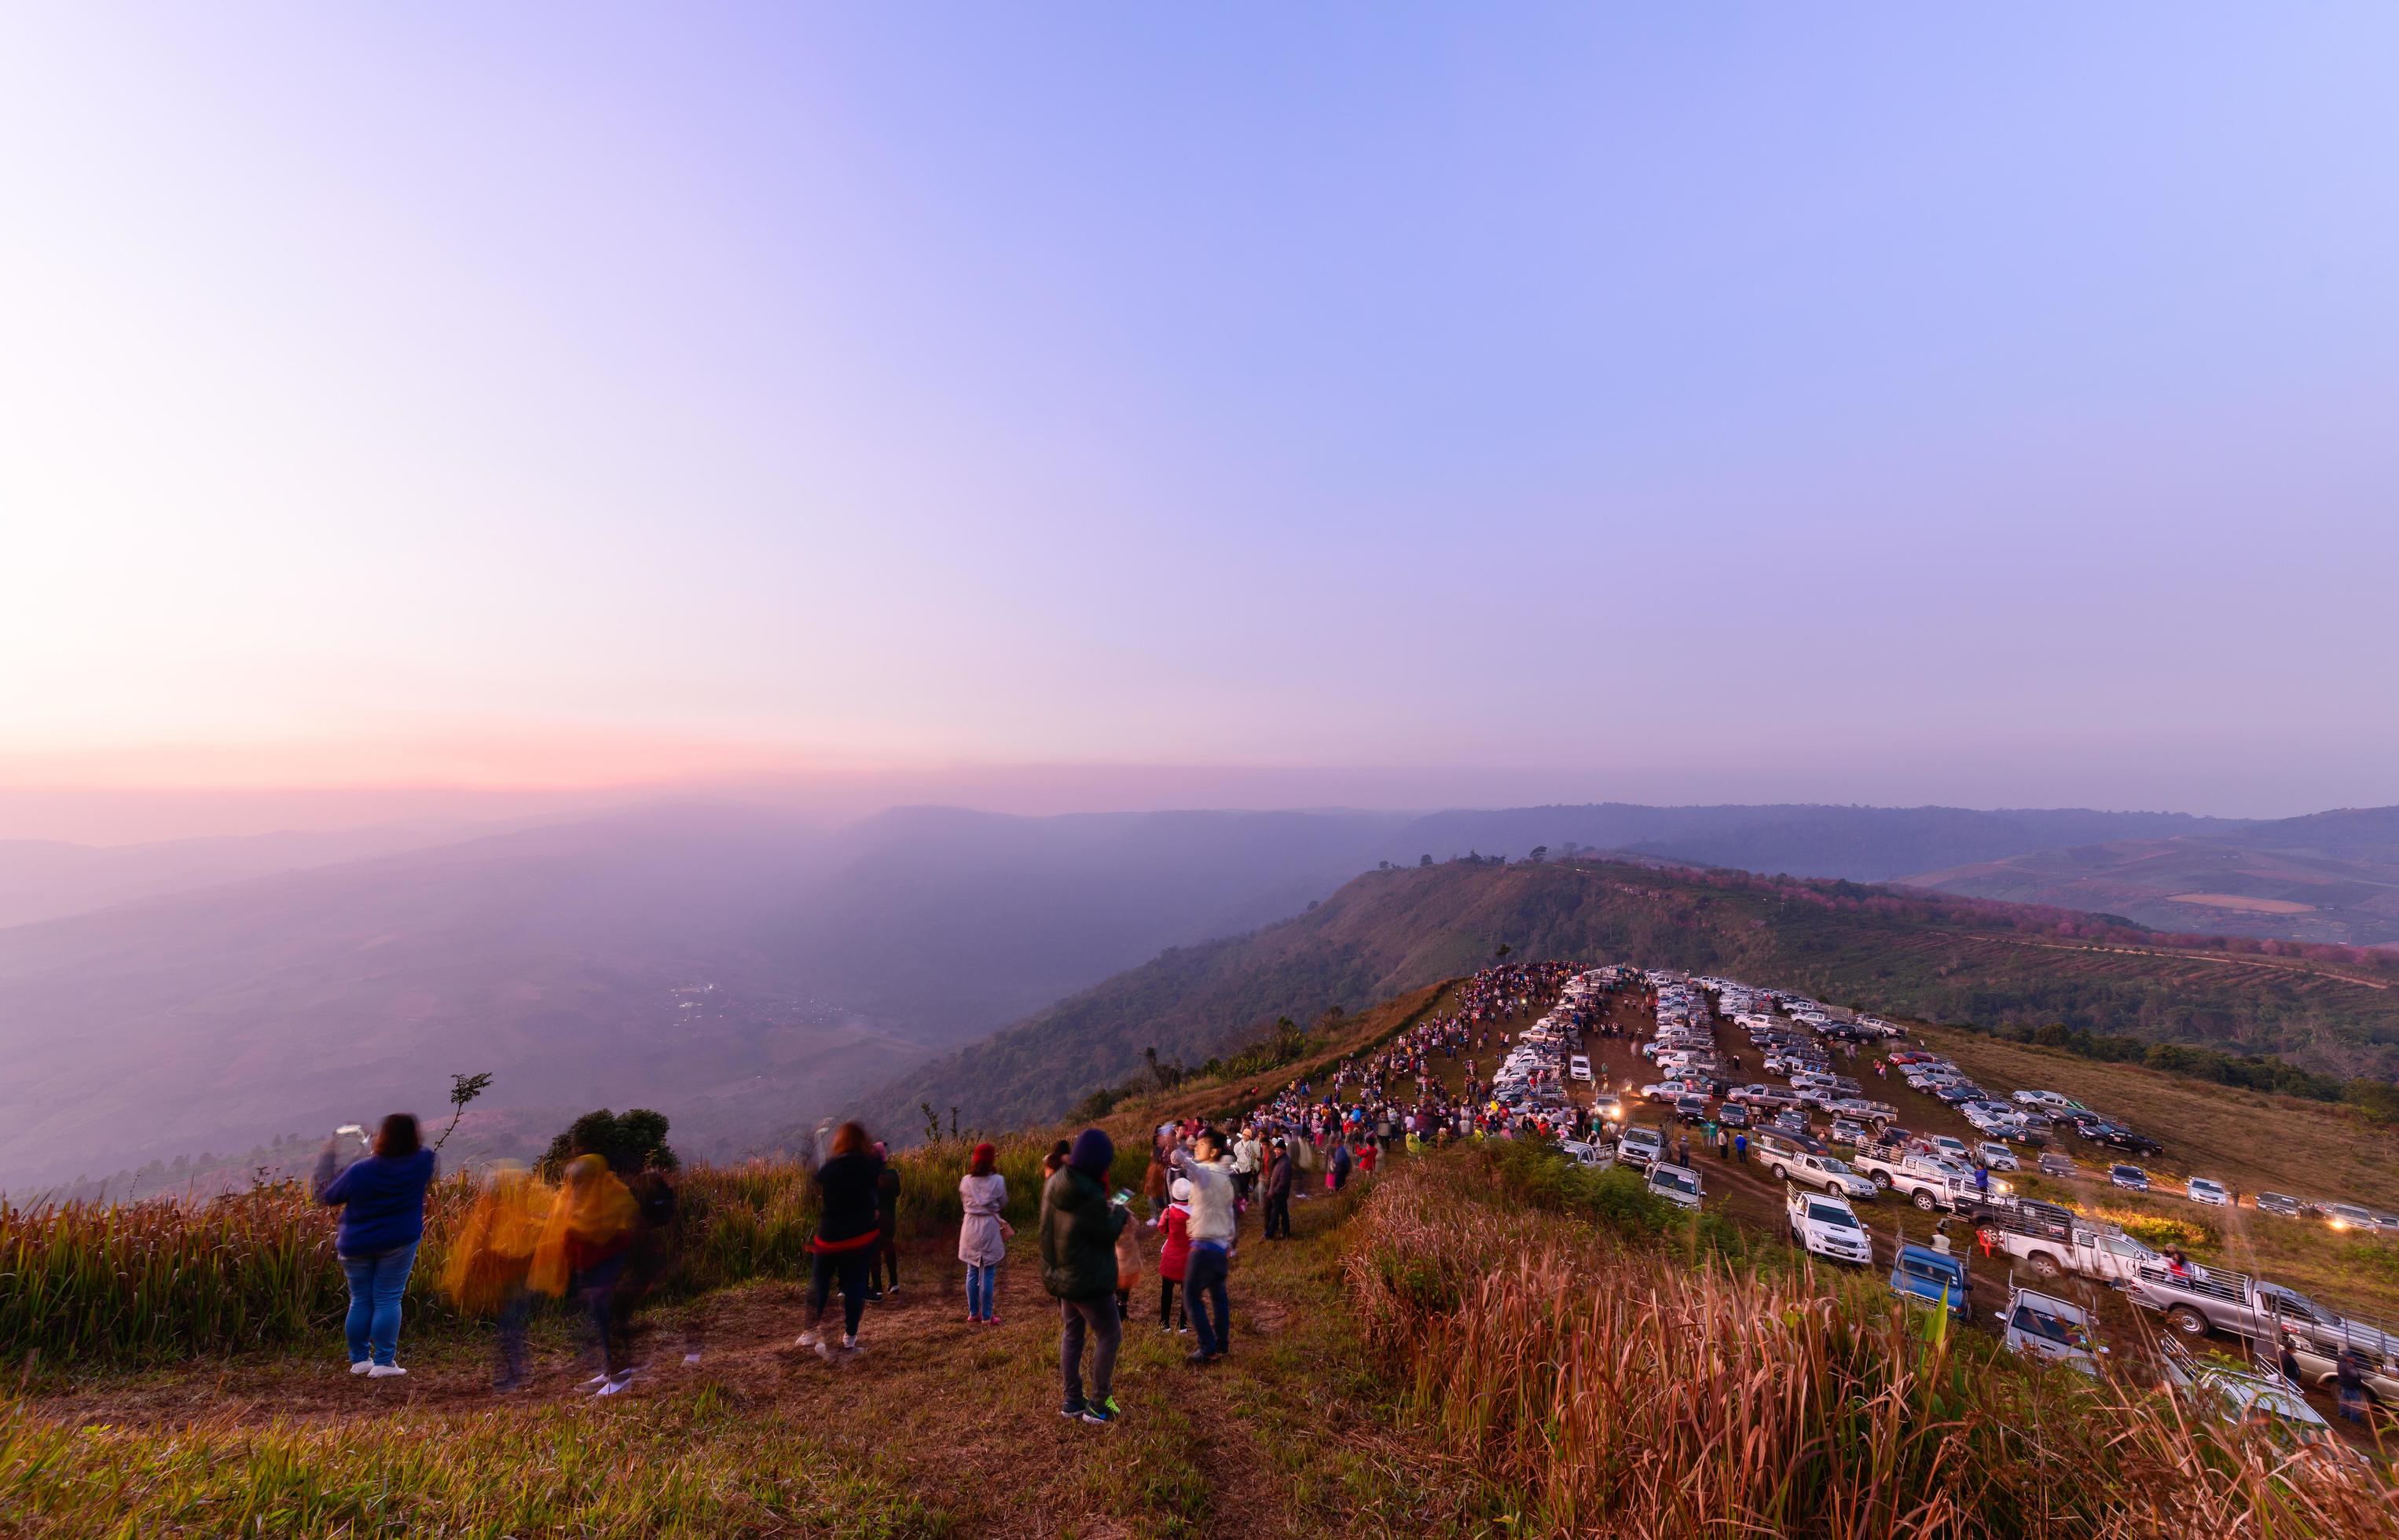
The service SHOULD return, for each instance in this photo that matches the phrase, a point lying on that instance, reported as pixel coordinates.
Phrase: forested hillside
(1898, 951)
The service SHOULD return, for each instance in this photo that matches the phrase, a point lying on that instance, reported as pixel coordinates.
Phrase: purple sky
(1365, 404)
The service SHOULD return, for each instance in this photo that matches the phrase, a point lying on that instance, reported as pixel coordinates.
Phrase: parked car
(2280, 1202)
(1579, 1067)
(1732, 1115)
(1676, 1184)
(2349, 1216)
(2201, 1190)
(2057, 1163)
(1923, 1276)
(1850, 1131)
(2118, 1136)
(2131, 1178)
(1823, 1225)
(2042, 1326)
(1950, 1148)
(1641, 1147)
(1998, 1157)
(1691, 1109)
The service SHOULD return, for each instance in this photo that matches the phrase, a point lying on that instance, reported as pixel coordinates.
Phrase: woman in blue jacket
(381, 1199)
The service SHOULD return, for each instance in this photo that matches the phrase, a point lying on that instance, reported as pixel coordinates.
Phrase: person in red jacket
(1173, 1256)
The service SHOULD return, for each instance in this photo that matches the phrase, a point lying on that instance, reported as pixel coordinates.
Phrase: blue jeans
(1204, 1284)
(982, 1282)
(375, 1284)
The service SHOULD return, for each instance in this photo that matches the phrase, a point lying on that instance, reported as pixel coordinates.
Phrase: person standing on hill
(1079, 1266)
(583, 1250)
(1246, 1157)
(982, 1235)
(1154, 1177)
(887, 1225)
(1174, 1256)
(1340, 1171)
(1211, 1241)
(1280, 1178)
(848, 1231)
(380, 1196)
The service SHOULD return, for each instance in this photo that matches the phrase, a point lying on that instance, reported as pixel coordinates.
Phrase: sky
(1064, 406)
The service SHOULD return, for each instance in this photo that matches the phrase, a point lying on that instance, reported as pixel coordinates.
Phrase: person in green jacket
(1079, 1265)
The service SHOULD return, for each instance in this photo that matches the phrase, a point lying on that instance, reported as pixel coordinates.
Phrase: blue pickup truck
(1923, 1276)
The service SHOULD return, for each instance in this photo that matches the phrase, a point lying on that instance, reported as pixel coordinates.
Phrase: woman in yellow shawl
(491, 1258)
(583, 1250)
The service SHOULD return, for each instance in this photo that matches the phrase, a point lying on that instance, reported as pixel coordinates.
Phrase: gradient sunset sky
(1382, 404)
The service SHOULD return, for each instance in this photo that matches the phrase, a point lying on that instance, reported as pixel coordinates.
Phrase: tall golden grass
(174, 1278)
(1601, 1386)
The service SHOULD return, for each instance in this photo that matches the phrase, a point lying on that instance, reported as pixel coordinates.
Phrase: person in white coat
(982, 1235)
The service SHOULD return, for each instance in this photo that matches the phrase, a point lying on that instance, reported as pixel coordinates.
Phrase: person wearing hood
(1079, 1266)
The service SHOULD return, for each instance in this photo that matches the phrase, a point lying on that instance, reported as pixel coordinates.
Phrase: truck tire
(1923, 1198)
(2044, 1267)
(1882, 1180)
(2187, 1321)
(1781, 1174)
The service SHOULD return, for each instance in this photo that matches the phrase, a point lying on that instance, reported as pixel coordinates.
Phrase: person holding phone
(382, 1199)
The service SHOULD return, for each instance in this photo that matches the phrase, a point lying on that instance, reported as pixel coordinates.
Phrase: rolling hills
(1917, 954)
(2331, 877)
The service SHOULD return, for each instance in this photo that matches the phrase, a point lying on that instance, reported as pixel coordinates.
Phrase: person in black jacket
(847, 1233)
(1279, 1181)
(887, 1221)
(1079, 1266)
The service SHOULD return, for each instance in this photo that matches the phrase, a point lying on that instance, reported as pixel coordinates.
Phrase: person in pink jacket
(1173, 1256)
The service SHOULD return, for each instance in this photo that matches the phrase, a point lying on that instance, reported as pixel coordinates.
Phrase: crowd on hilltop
(604, 1239)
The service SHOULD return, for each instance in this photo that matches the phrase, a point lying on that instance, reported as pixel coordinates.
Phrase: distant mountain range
(743, 972)
(1914, 953)
(2330, 877)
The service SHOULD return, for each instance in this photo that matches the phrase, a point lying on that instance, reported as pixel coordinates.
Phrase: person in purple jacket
(382, 1199)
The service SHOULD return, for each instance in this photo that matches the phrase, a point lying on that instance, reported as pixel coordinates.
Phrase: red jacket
(1177, 1249)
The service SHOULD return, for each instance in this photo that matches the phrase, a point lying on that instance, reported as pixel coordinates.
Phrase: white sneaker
(362, 1366)
(850, 1344)
(824, 1348)
(595, 1381)
(385, 1371)
(691, 1358)
(620, 1384)
(811, 1338)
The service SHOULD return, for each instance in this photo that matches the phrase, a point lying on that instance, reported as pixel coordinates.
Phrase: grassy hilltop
(1477, 1343)
(1899, 951)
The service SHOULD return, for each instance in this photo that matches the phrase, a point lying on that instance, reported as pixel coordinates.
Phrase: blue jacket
(381, 1201)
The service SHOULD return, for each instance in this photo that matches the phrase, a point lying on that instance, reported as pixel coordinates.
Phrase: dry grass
(1597, 1386)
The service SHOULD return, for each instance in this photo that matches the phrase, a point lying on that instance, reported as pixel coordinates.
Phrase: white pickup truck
(1823, 1225)
(1926, 1183)
(2199, 1298)
(1828, 1173)
(2050, 1240)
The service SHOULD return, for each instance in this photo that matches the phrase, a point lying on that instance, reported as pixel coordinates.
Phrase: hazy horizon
(137, 816)
(440, 412)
